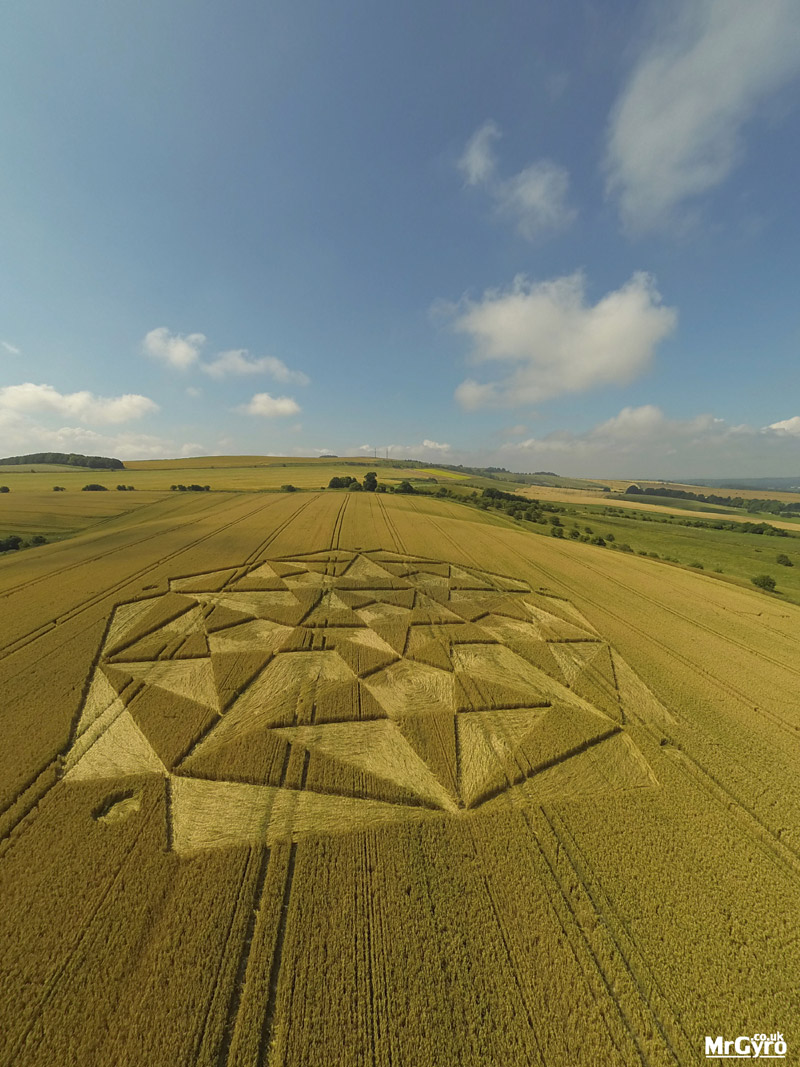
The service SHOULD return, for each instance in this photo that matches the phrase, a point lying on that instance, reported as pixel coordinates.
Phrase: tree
(405, 487)
(370, 481)
(289, 488)
(4, 489)
(764, 581)
(784, 560)
(93, 487)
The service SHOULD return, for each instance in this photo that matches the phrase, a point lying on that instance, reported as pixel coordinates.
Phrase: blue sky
(542, 236)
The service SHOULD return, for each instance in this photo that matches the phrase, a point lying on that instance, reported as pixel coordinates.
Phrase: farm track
(653, 999)
(575, 935)
(258, 552)
(337, 526)
(739, 814)
(513, 965)
(51, 986)
(390, 526)
(240, 979)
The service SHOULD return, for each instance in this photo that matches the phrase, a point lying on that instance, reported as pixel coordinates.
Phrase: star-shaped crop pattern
(341, 689)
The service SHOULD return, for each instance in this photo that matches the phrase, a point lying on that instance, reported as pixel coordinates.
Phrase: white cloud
(633, 432)
(270, 406)
(786, 426)
(238, 362)
(644, 442)
(11, 349)
(551, 341)
(428, 449)
(29, 398)
(535, 198)
(19, 435)
(193, 448)
(478, 163)
(675, 131)
(173, 348)
(193, 391)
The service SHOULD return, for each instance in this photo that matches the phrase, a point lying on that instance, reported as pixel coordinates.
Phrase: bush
(597, 540)
(697, 566)
(764, 581)
(37, 539)
(4, 489)
(610, 537)
(784, 560)
(10, 544)
(288, 488)
(557, 531)
(625, 547)
(93, 487)
(59, 489)
(405, 487)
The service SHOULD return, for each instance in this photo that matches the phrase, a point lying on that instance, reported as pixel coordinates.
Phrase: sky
(541, 236)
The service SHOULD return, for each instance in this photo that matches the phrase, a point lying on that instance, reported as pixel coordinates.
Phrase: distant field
(746, 494)
(60, 515)
(317, 779)
(239, 476)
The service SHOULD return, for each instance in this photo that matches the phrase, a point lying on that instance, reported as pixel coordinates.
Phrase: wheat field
(351, 779)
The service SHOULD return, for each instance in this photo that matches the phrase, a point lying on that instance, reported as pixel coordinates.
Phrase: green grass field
(724, 554)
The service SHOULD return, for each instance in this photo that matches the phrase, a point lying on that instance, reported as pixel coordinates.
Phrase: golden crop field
(220, 473)
(343, 779)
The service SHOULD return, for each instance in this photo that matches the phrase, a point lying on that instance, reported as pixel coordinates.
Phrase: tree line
(68, 459)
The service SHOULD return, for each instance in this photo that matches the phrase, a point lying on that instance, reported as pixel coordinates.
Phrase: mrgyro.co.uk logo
(759, 1046)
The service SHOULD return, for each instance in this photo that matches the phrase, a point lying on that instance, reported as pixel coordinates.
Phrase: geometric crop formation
(339, 690)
